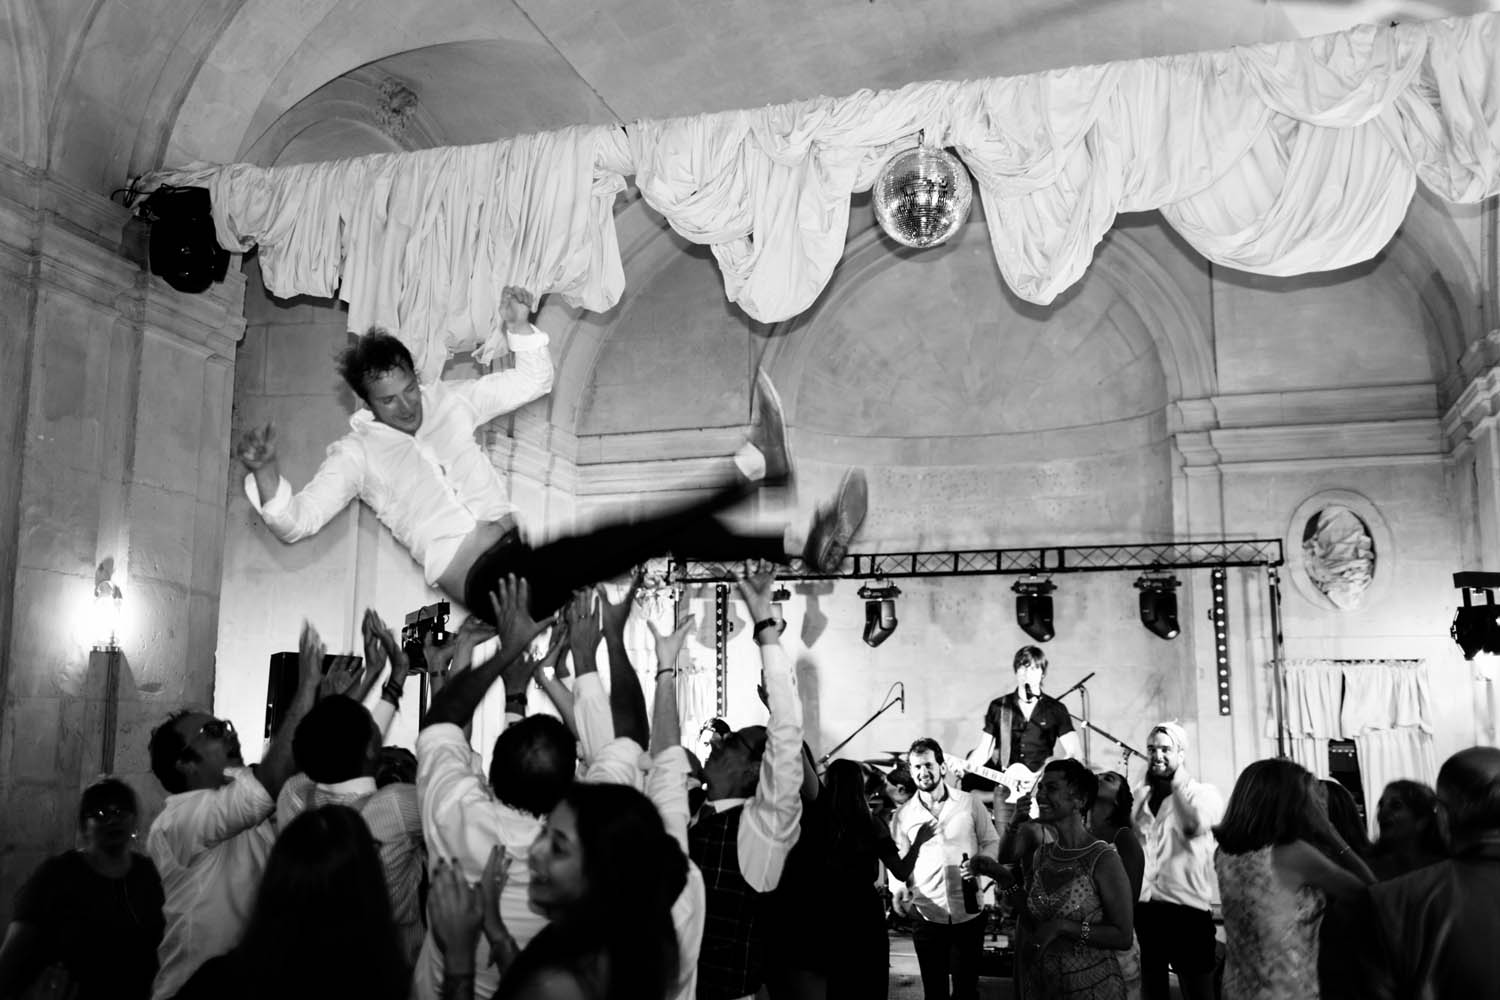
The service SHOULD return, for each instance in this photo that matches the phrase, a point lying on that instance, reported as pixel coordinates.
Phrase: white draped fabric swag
(1278, 158)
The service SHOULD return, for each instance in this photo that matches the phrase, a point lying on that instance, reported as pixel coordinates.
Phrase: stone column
(115, 447)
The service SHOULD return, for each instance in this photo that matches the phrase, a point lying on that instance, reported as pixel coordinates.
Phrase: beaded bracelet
(392, 692)
(1083, 932)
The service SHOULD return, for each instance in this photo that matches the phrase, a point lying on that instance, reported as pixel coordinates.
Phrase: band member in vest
(741, 838)
(1023, 727)
(413, 459)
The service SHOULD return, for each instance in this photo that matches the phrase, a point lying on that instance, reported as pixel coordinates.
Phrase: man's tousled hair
(370, 356)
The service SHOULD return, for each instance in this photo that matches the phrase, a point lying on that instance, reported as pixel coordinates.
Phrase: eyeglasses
(216, 729)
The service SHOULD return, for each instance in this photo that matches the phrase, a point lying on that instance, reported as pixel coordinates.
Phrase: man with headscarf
(1174, 817)
(1436, 927)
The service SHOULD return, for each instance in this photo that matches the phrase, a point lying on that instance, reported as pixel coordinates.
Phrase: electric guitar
(1018, 779)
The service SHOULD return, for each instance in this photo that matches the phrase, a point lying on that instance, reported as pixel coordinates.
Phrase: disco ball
(922, 196)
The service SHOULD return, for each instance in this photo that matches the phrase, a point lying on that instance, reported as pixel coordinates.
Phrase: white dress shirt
(462, 820)
(962, 825)
(663, 780)
(1179, 868)
(395, 824)
(210, 846)
(430, 488)
(773, 815)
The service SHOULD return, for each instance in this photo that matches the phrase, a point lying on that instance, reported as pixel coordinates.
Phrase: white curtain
(1384, 706)
(1279, 158)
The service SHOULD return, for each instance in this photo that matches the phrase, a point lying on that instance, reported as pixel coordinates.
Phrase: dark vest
(731, 959)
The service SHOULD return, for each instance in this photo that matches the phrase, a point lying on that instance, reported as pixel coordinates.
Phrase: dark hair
(1119, 812)
(167, 747)
(395, 765)
(1028, 656)
(1272, 804)
(1470, 781)
(332, 742)
(373, 354)
(323, 895)
(633, 871)
(106, 792)
(719, 726)
(902, 779)
(847, 807)
(1079, 779)
(1343, 814)
(533, 764)
(1421, 801)
(926, 744)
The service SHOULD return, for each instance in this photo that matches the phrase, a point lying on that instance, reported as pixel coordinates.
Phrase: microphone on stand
(1075, 687)
(902, 697)
(1029, 695)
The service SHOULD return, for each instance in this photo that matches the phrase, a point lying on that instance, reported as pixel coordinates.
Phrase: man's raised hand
(669, 646)
(614, 616)
(584, 626)
(756, 582)
(511, 603)
(310, 652)
(516, 307)
(257, 447)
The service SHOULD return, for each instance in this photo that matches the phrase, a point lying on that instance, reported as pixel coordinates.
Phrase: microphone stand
(1126, 750)
(823, 760)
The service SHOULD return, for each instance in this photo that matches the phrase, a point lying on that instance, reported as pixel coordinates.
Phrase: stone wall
(114, 437)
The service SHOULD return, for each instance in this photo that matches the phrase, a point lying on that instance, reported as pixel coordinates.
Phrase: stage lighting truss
(1034, 607)
(1219, 615)
(880, 610)
(1159, 604)
(1476, 627)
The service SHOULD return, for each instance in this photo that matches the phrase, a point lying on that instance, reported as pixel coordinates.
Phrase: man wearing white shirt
(212, 838)
(413, 458)
(741, 839)
(464, 817)
(948, 936)
(1174, 817)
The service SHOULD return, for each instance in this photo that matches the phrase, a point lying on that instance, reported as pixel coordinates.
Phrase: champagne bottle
(971, 891)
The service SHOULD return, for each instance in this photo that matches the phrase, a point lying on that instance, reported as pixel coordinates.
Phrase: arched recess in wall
(1160, 309)
(363, 97)
(23, 124)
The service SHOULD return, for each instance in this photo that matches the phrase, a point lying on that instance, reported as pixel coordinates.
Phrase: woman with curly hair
(1409, 834)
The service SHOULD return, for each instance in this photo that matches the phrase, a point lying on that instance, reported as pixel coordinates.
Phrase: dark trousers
(947, 951)
(556, 569)
(1179, 936)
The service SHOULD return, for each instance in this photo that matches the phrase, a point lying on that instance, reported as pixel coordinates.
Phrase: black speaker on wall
(183, 247)
(281, 687)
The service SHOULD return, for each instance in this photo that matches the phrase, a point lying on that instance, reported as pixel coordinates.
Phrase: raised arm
(276, 766)
(627, 702)
(531, 378)
(666, 730)
(461, 696)
(772, 817)
(292, 517)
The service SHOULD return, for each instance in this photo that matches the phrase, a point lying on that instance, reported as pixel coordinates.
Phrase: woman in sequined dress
(1278, 856)
(1078, 903)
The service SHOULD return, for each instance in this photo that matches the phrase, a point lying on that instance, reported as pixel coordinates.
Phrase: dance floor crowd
(597, 857)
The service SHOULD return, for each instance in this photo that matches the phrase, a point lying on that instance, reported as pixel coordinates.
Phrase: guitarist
(1026, 727)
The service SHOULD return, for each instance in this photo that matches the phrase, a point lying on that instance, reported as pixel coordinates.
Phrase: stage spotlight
(1159, 605)
(1034, 608)
(1476, 628)
(780, 596)
(880, 610)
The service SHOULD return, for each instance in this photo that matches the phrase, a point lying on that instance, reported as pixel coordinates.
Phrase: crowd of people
(597, 858)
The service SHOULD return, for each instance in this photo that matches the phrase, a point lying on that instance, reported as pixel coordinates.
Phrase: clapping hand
(310, 652)
(342, 677)
(455, 914)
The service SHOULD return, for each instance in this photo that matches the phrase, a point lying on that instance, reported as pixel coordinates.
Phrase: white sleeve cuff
(277, 503)
(499, 342)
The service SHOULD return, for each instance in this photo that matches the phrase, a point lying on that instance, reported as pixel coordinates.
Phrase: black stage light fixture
(1159, 604)
(1476, 627)
(1034, 608)
(779, 597)
(880, 610)
(183, 247)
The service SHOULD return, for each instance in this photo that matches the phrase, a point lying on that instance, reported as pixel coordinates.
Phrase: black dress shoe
(834, 526)
(768, 432)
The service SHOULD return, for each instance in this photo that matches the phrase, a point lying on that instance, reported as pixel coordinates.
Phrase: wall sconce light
(1034, 607)
(106, 613)
(880, 610)
(1159, 604)
(1476, 627)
